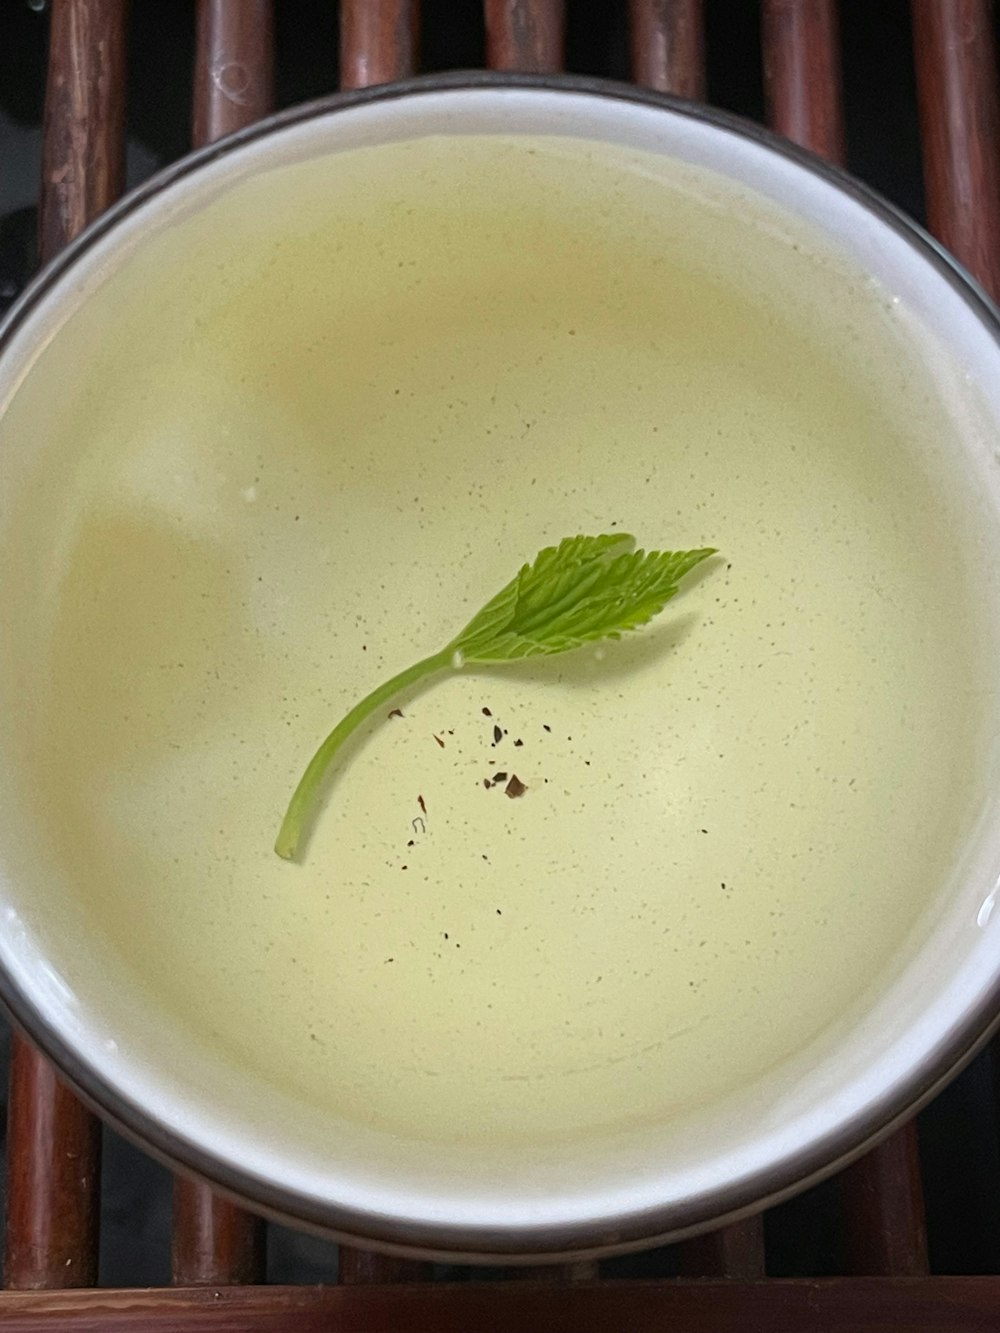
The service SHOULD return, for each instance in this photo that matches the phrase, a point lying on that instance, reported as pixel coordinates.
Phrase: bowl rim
(587, 1237)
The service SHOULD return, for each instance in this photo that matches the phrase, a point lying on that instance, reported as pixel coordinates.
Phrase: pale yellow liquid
(324, 421)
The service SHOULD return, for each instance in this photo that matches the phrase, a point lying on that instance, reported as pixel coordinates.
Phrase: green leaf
(582, 591)
(552, 577)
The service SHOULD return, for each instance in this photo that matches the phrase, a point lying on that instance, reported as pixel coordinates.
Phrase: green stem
(305, 793)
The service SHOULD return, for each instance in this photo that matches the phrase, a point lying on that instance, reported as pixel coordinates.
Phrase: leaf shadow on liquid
(611, 660)
(608, 662)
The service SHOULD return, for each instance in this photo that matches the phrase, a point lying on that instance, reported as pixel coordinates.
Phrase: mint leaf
(582, 591)
(552, 579)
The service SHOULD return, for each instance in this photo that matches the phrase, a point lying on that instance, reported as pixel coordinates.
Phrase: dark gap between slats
(880, 101)
(664, 1262)
(135, 1217)
(806, 1234)
(452, 35)
(597, 38)
(22, 90)
(307, 46)
(733, 55)
(296, 1258)
(960, 1165)
(161, 64)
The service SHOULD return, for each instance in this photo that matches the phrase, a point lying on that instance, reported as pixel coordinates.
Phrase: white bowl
(602, 1189)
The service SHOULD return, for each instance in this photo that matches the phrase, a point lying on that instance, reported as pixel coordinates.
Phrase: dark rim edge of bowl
(587, 1238)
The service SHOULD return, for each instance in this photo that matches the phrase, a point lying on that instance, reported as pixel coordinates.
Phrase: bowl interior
(281, 429)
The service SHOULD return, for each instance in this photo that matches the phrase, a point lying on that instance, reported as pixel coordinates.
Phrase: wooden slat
(378, 41)
(83, 150)
(883, 1201)
(736, 1251)
(526, 36)
(234, 66)
(529, 37)
(802, 73)
(833, 1305)
(960, 123)
(53, 1144)
(361, 1267)
(881, 1194)
(213, 1241)
(959, 104)
(668, 54)
(53, 1179)
(668, 46)
(580, 1270)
